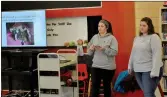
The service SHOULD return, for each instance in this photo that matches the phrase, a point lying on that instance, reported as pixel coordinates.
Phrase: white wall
(66, 33)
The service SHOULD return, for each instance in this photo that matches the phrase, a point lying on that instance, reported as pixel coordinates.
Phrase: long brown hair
(150, 26)
(108, 25)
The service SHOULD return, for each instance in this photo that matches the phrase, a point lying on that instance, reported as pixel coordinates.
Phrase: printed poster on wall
(61, 30)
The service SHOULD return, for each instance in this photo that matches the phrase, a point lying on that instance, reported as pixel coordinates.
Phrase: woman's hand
(92, 47)
(152, 76)
(130, 71)
(101, 48)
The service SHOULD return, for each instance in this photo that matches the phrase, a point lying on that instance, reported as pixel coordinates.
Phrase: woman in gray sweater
(146, 58)
(104, 47)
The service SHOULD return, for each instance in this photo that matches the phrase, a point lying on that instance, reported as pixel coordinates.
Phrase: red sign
(165, 3)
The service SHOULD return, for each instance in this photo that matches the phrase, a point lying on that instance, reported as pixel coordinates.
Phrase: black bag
(130, 84)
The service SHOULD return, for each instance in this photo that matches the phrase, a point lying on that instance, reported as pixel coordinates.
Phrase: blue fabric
(121, 77)
(148, 84)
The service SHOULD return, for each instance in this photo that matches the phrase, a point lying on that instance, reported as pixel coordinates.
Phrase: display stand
(20, 69)
(69, 72)
(49, 75)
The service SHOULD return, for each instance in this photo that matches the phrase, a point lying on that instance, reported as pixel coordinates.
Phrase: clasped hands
(100, 48)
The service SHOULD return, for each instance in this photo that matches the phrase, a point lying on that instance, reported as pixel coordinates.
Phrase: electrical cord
(12, 94)
(20, 93)
(30, 92)
(27, 94)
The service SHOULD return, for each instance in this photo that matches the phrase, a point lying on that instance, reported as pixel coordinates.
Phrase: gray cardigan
(146, 55)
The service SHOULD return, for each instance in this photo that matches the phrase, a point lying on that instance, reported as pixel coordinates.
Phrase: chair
(160, 90)
(82, 77)
(65, 76)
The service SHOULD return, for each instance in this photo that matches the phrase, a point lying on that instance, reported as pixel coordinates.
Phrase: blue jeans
(148, 84)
